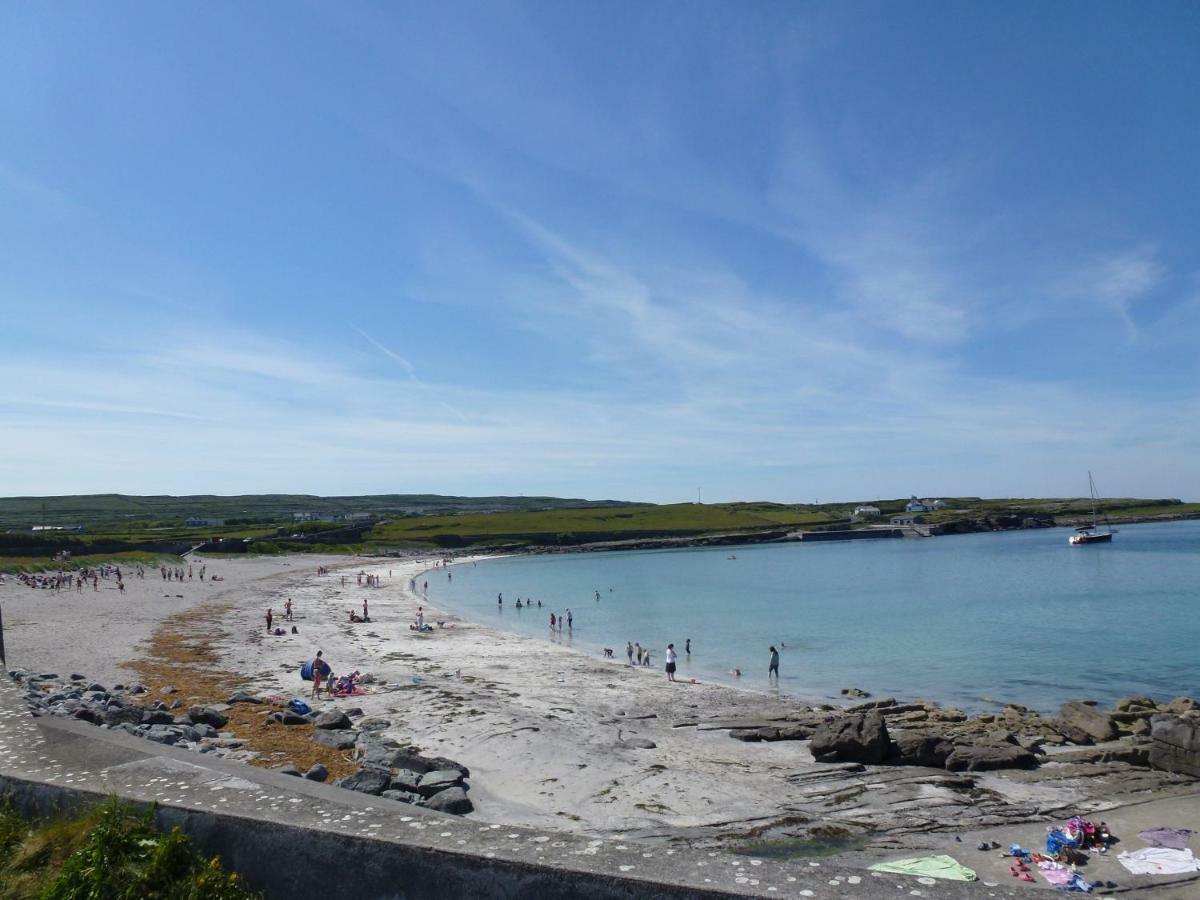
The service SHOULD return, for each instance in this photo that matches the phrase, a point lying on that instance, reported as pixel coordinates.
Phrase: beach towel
(1159, 861)
(1175, 838)
(932, 866)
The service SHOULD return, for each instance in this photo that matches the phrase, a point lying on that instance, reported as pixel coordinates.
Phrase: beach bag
(299, 707)
(306, 671)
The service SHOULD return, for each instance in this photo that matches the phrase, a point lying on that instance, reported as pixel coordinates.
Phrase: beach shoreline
(559, 738)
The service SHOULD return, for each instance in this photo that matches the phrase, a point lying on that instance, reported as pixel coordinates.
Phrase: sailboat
(1091, 534)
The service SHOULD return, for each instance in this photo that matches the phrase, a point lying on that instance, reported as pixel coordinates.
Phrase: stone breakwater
(386, 768)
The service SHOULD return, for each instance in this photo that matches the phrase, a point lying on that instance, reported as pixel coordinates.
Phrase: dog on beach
(608, 652)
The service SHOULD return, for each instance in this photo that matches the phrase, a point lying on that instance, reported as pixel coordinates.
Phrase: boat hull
(1090, 539)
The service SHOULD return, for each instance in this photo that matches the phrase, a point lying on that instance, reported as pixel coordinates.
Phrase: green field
(114, 510)
(117, 525)
(604, 524)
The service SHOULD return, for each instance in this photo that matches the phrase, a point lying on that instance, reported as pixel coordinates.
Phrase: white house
(866, 512)
(916, 506)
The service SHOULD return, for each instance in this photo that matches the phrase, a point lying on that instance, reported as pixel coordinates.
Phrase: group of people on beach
(177, 573)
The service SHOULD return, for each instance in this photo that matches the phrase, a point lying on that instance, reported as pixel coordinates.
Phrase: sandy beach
(547, 730)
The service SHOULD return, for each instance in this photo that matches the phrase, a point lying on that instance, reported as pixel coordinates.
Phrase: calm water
(966, 620)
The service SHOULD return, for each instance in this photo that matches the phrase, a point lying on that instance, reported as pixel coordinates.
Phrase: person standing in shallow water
(773, 669)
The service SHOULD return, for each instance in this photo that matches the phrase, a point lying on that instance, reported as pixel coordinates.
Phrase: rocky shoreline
(386, 768)
(1138, 732)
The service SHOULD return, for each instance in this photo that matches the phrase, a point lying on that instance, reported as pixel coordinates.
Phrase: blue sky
(784, 251)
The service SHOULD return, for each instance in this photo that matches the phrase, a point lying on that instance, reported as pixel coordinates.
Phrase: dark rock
(910, 749)
(209, 715)
(243, 697)
(122, 715)
(750, 735)
(288, 770)
(1031, 742)
(438, 780)
(401, 796)
(187, 733)
(375, 724)
(97, 686)
(77, 677)
(452, 800)
(855, 738)
(317, 773)
(410, 758)
(156, 717)
(986, 757)
(1128, 704)
(367, 780)
(287, 717)
(354, 712)
(855, 692)
(87, 714)
(407, 780)
(1175, 745)
(182, 720)
(883, 703)
(1082, 723)
(162, 734)
(339, 740)
(332, 719)
(204, 731)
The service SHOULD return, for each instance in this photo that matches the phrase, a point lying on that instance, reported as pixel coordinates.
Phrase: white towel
(1159, 861)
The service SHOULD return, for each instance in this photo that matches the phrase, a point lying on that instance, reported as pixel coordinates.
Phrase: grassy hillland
(114, 524)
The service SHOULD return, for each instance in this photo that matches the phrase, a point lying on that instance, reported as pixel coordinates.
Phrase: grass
(126, 559)
(604, 523)
(135, 512)
(108, 853)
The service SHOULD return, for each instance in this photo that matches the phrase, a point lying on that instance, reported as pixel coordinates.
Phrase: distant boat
(1091, 534)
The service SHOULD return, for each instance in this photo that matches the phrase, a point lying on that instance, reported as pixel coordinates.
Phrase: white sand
(92, 632)
(537, 723)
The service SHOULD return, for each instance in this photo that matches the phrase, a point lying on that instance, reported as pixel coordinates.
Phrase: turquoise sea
(967, 620)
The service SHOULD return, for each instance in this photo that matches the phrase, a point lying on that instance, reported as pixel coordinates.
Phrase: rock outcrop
(1082, 723)
(1175, 744)
(860, 737)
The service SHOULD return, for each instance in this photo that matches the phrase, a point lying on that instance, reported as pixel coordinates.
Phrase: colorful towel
(1159, 861)
(931, 866)
(1175, 838)
(1055, 873)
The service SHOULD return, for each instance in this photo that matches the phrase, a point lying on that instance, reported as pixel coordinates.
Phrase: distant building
(907, 519)
(866, 512)
(76, 528)
(919, 506)
(201, 521)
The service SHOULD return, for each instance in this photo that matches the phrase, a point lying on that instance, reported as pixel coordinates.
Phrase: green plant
(109, 853)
